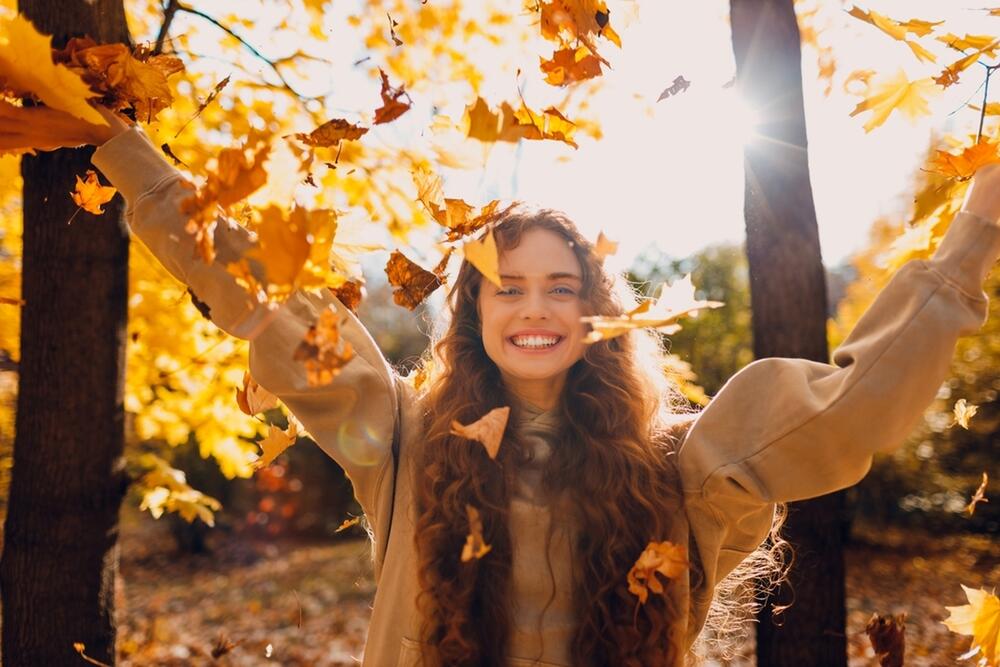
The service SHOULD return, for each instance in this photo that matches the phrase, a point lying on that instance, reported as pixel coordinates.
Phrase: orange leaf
(347, 523)
(898, 29)
(392, 108)
(411, 281)
(604, 247)
(509, 125)
(349, 294)
(252, 398)
(571, 66)
(665, 558)
(962, 166)
(488, 430)
(321, 350)
(483, 254)
(331, 133)
(90, 195)
(475, 546)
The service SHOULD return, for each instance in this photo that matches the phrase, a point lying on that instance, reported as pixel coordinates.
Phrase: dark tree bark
(60, 557)
(788, 300)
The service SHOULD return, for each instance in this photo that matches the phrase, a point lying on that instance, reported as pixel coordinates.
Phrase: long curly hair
(614, 461)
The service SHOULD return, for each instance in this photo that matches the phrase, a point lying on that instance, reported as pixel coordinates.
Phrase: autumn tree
(788, 303)
(59, 561)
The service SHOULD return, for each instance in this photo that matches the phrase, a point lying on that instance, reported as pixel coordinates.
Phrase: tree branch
(168, 16)
(249, 47)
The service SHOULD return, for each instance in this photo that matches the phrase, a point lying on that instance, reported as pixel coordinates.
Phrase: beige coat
(780, 430)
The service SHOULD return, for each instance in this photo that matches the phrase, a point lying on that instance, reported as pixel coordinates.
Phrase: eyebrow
(551, 276)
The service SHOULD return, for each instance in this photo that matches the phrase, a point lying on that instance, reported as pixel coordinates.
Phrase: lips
(535, 342)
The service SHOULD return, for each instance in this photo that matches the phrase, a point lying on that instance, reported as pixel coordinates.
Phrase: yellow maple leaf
(664, 558)
(277, 441)
(984, 44)
(482, 254)
(981, 619)
(512, 125)
(661, 312)
(26, 67)
(899, 29)
(898, 93)
(604, 247)
(90, 195)
(252, 398)
(487, 430)
(963, 413)
(475, 546)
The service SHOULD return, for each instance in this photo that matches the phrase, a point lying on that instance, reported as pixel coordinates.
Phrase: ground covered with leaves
(296, 603)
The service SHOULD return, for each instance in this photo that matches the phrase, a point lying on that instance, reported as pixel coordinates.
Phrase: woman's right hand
(47, 129)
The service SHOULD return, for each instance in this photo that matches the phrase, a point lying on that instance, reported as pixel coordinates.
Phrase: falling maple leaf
(392, 108)
(899, 93)
(888, 637)
(987, 45)
(26, 67)
(252, 398)
(475, 546)
(679, 85)
(482, 253)
(512, 125)
(294, 249)
(238, 174)
(347, 523)
(457, 216)
(204, 105)
(570, 65)
(223, 646)
(979, 496)
(349, 294)
(981, 619)
(665, 558)
(331, 133)
(90, 195)
(322, 351)
(392, 30)
(962, 166)
(950, 74)
(573, 22)
(899, 29)
(604, 247)
(487, 430)
(276, 442)
(411, 282)
(661, 312)
(963, 413)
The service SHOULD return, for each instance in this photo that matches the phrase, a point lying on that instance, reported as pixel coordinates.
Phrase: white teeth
(535, 341)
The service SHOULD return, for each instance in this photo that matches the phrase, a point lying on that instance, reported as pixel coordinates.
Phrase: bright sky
(669, 174)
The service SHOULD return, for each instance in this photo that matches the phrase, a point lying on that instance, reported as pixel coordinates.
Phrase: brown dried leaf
(888, 637)
(254, 399)
(475, 546)
(488, 430)
(322, 351)
(411, 281)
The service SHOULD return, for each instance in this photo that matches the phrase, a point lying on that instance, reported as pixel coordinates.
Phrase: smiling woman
(531, 328)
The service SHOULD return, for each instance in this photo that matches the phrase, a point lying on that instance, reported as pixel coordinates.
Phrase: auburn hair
(615, 462)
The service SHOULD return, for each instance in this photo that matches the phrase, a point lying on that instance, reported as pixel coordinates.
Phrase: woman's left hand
(983, 195)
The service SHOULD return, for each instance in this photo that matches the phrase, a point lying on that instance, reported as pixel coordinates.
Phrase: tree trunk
(788, 300)
(60, 557)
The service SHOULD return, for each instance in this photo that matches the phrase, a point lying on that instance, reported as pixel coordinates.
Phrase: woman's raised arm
(353, 418)
(789, 429)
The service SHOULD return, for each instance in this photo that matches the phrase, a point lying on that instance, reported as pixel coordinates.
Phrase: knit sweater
(780, 430)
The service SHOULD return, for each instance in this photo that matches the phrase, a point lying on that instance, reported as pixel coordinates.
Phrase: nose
(535, 306)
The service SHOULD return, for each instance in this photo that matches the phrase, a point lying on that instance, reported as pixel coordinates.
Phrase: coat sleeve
(789, 429)
(353, 418)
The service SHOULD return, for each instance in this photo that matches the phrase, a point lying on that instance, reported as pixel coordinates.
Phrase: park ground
(289, 602)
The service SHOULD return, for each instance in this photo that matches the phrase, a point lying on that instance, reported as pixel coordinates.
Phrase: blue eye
(567, 290)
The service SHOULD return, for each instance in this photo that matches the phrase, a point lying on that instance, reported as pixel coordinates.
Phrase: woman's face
(531, 329)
